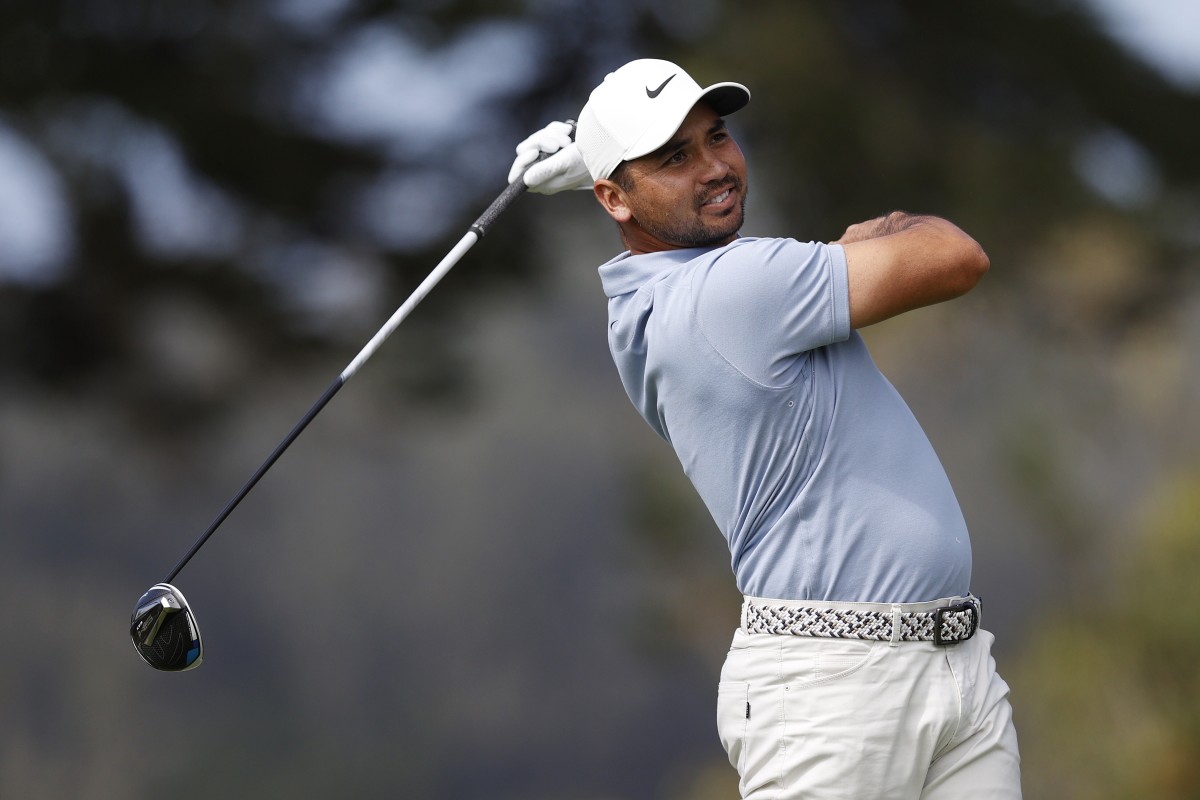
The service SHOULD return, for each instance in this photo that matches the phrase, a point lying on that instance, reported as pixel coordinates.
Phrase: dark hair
(622, 177)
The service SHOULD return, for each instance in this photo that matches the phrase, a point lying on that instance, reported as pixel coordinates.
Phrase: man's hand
(886, 225)
(562, 171)
(900, 261)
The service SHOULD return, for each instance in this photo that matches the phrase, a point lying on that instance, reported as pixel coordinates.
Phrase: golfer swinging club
(859, 669)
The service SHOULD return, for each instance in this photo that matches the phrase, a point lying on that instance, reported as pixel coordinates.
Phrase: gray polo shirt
(809, 461)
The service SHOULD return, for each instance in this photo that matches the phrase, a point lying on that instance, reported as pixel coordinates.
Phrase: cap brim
(726, 98)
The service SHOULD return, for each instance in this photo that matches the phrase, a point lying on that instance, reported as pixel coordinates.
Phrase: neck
(638, 242)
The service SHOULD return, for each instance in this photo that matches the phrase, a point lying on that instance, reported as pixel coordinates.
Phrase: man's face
(691, 192)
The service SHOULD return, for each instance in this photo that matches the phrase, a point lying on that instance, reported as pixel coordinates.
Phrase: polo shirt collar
(627, 273)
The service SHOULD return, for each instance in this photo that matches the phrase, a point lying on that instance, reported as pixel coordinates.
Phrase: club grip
(503, 201)
(506, 198)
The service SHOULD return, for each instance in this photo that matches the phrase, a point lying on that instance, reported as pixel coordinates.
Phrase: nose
(714, 168)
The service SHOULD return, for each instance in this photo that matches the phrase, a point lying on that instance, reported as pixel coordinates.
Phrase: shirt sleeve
(767, 302)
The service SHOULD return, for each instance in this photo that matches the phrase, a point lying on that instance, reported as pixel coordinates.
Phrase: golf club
(164, 630)
(163, 627)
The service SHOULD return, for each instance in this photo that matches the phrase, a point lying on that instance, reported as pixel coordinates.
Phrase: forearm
(901, 261)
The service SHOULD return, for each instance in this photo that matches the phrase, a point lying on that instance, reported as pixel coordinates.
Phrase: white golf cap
(638, 108)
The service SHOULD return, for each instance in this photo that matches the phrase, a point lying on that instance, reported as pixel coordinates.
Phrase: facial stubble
(692, 232)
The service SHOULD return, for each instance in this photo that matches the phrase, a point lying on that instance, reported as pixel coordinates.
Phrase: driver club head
(164, 631)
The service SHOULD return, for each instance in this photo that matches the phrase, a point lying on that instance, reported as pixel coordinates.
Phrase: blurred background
(478, 574)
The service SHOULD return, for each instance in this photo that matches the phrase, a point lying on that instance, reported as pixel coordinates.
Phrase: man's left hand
(563, 170)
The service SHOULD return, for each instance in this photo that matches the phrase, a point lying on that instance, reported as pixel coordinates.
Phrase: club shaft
(426, 286)
(257, 476)
(476, 232)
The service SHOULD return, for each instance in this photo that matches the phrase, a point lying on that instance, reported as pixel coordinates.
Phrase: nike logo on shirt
(653, 93)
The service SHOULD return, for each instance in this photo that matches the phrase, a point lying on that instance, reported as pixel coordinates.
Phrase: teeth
(720, 198)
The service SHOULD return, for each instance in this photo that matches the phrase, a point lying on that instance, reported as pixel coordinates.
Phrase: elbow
(979, 262)
(961, 261)
(972, 264)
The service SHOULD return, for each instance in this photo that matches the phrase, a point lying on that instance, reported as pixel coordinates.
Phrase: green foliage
(534, 614)
(1108, 691)
(688, 604)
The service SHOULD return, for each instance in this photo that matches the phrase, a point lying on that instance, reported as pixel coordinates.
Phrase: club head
(164, 631)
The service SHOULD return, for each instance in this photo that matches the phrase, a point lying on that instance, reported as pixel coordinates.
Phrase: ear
(614, 200)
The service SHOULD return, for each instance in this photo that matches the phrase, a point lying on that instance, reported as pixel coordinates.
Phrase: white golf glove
(561, 171)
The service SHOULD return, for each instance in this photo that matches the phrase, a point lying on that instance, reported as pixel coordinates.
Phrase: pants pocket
(733, 716)
(749, 722)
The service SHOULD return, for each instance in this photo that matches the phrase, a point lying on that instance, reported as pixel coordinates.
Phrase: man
(858, 670)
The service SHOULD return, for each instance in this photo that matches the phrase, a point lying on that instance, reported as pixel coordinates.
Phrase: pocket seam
(740, 691)
(836, 676)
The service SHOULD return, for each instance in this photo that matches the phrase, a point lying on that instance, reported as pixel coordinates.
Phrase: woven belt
(944, 625)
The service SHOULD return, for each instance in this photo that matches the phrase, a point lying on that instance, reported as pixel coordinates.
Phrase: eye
(676, 158)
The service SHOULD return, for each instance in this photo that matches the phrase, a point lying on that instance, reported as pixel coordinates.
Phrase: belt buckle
(940, 614)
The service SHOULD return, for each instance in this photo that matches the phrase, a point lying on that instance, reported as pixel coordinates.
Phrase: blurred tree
(284, 170)
(250, 186)
(1022, 121)
(292, 168)
(1110, 693)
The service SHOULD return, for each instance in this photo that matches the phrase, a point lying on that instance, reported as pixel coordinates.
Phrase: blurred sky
(353, 97)
(1165, 32)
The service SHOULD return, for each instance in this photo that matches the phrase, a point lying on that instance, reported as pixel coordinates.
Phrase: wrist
(896, 221)
(892, 222)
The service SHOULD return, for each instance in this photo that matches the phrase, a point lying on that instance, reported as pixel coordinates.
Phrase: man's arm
(902, 261)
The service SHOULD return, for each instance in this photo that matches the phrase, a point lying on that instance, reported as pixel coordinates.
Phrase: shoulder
(772, 255)
(787, 293)
(770, 264)
(767, 247)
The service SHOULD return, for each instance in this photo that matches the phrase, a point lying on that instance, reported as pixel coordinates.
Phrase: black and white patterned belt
(955, 621)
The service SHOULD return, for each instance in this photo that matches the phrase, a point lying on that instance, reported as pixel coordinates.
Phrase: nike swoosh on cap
(653, 93)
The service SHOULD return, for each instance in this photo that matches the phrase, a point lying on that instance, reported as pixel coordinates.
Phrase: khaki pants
(818, 719)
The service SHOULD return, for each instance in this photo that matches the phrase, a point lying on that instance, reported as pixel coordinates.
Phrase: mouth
(721, 199)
